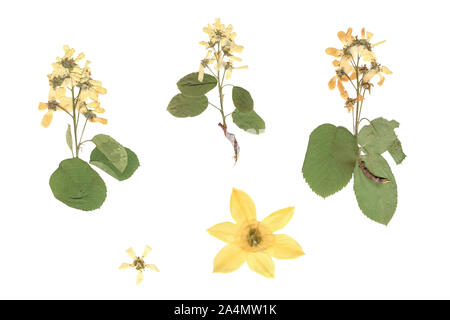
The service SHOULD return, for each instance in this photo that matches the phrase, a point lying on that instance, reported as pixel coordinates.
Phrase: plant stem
(220, 86)
(75, 124)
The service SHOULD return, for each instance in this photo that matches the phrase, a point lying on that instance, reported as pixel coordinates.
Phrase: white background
(139, 49)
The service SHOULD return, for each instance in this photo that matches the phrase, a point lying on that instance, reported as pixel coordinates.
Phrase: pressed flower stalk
(74, 93)
(335, 154)
(138, 263)
(252, 241)
(215, 70)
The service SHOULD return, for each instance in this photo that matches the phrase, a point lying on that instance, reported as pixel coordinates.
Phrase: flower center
(139, 264)
(357, 45)
(68, 63)
(254, 237)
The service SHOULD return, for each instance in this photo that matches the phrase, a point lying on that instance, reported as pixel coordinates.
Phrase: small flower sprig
(335, 154)
(221, 51)
(74, 92)
(252, 241)
(139, 263)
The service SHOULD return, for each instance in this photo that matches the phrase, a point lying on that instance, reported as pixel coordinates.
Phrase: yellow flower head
(351, 61)
(251, 240)
(69, 75)
(139, 263)
(221, 49)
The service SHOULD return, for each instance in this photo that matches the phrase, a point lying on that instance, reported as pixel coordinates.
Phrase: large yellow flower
(251, 240)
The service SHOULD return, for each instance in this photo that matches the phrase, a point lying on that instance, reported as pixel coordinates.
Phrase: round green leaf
(182, 106)
(250, 122)
(99, 160)
(190, 86)
(77, 185)
(330, 159)
(113, 151)
(377, 201)
(242, 100)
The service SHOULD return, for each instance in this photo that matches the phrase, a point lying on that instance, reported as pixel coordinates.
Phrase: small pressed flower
(204, 64)
(252, 241)
(57, 100)
(139, 263)
(216, 68)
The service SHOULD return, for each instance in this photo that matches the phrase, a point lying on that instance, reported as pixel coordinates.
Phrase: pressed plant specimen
(335, 154)
(221, 51)
(75, 93)
(139, 264)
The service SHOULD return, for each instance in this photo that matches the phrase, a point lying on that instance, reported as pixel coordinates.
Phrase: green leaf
(250, 122)
(69, 139)
(376, 200)
(378, 136)
(242, 100)
(396, 151)
(190, 86)
(182, 106)
(113, 151)
(330, 159)
(77, 185)
(99, 160)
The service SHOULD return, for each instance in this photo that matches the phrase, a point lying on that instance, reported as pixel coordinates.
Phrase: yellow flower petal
(284, 247)
(261, 263)
(131, 254)
(333, 52)
(229, 259)
(343, 92)
(47, 119)
(381, 79)
(43, 106)
(242, 207)
(124, 266)
(369, 75)
(99, 120)
(369, 35)
(201, 73)
(386, 70)
(139, 277)
(147, 250)
(225, 231)
(279, 219)
(332, 83)
(342, 37)
(152, 267)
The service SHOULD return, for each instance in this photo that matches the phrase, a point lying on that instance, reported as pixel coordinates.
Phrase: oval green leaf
(99, 160)
(242, 100)
(77, 185)
(190, 86)
(377, 201)
(250, 122)
(113, 151)
(182, 106)
(330, 159)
